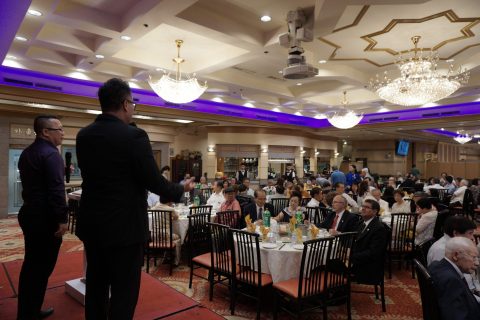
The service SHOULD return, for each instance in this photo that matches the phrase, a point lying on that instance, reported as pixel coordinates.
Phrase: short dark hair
(459, 224)
(113, 93)
(449, 179)
(375, 205)
(296, 194)
(219, 183)
(242, 188)
(280, 189)
(315, 191)
(41, 122)
(244, 179)
(165, 168)
(400, 192)
(424, 203)
(338, 184)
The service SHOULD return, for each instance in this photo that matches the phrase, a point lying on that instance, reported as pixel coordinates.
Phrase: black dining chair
(230, 218)
(428, 295)
(199, 244)
(279, 204)
(200, 209)
(402, 245)
(161, 237)
(247, 267)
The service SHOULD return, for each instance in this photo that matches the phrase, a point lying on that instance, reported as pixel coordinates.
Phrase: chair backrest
(200, 209)
(434, 200)
(324, 212)
(207, 192)
(246, 256)
(422, 251)
(427, 292)
(305, 201)
(338, 265)
(441, 217)
(198, 234)
(403, 227)
(312, 214)
(161, 233)
(468, 203)
(313, 273)
(278, 204)
(220, 257)
(229, 218)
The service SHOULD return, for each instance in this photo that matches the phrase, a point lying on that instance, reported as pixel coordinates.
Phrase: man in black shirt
(43, 216)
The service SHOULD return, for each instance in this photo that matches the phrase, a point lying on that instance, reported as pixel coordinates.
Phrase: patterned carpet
(402, 296)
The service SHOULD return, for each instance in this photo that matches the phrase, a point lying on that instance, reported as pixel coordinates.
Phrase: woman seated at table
(353, 193)
(166, 204)
(363, 192)
(427, 216)
(231, 203)
(400, 205)
(293, 207)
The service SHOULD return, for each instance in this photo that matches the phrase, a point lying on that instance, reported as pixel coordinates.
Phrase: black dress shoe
(45, 313)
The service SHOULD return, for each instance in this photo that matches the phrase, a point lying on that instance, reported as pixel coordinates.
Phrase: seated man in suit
(370, 246)
(455, 299)
(340, 220)
(257, 208)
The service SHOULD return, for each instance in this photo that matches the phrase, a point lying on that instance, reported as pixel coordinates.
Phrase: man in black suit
(455, 300)
(257, 208)
(117, 168)
(340, 220)
(370, 246)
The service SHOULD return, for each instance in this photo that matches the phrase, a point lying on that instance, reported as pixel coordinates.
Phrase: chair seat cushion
(204, 259)
(290, 287)
(266, 279)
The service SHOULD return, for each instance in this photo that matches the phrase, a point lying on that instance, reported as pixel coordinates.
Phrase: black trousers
(41, 252)
(116, 270)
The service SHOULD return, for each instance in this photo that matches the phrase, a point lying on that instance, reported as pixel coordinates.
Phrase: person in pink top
(230, 202)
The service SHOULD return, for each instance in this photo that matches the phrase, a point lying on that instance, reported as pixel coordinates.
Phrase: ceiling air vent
(383, 119)
(266, 118)
(430, 115)
(20, 82)
(450, 113)
(48, 86)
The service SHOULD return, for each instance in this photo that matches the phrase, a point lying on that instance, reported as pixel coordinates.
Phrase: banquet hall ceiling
(239, 56)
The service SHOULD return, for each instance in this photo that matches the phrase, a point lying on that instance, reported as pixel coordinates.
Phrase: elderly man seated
(457, 197)
(455, 299)
(340, 220)
(340, 190)
(376, 195)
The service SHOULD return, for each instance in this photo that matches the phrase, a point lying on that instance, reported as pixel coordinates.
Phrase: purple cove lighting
(48, 82)
(441, 132)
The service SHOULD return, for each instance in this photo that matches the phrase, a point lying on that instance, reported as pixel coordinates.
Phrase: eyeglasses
(55, 129)
(132, 103)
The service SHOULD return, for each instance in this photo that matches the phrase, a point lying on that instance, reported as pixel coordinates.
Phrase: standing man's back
(117, 168)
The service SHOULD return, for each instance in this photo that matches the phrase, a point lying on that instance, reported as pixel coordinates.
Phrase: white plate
(298, 246)
(269, 245)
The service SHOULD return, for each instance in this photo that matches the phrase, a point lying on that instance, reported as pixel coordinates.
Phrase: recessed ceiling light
(276, 109)
(217, 99)
(322, 61)
(158, 69)
(20, 38)
(383, 109)
(449, 60)
(266, 18)
(33, 12)
(320, 116)
(99, 56)
(298, 113)
(248, 105)
(299, 83)
(126, 38)
(476, 136)
(183, 121)
(80, 70)
(11, 57)
(443, 129)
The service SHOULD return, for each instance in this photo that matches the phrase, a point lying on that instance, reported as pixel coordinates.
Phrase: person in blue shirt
(337, 176)
(352, 176)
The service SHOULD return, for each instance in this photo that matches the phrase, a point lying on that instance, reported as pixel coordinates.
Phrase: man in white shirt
(457, 197)
(217, 197)
(435, 185)
(270, 188)
(317, 197)
(364, 173)
(250, 191)
(376, 195)
(340, 190)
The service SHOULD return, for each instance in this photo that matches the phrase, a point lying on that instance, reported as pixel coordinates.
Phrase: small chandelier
(463, 138)
(419, 82)
(177, 90)
(344, 118)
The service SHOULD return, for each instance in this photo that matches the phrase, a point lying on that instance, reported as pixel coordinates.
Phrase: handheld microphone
(68, 163)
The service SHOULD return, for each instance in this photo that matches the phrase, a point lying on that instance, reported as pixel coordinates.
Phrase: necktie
(363, 227)
(334, 223)
(260, 212)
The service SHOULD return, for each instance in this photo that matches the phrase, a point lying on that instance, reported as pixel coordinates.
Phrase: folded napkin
(314, 231)
(299, 235)
(250, 225)
(264, 231)
(293, 222)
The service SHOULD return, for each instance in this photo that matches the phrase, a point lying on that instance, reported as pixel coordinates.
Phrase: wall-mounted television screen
(402, 147)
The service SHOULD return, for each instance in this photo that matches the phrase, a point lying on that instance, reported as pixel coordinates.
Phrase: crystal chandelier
(345, 118)
(463, 138)
(177, 90)
(419, 82)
